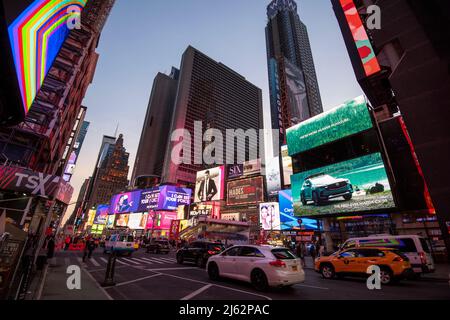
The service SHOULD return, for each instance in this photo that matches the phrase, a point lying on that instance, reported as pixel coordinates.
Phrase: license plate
(294, 268)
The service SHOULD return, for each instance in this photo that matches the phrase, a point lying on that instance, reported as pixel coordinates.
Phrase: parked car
(199, 252)
(414, 247)
(393, 264)
(321, 187)
(158, 246)
(262, 266)
(121, 244)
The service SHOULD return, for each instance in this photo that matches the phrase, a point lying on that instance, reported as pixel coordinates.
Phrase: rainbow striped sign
(36, 37)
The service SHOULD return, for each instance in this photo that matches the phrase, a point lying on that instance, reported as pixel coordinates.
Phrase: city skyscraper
(218, 97)
(294, 89)
(111, 175)
(156, 129)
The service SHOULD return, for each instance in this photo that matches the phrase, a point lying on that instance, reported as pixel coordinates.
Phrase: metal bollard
(109, 277)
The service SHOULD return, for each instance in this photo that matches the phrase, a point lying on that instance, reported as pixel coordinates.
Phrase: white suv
(262, 266)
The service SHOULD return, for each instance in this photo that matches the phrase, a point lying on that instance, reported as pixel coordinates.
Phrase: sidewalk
(53, 286)
(441, 273)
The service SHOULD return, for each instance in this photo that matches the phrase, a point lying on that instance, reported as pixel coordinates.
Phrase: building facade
(294, 88)
(403, 66)
(213, 96)
(156, 129)
(111, 175)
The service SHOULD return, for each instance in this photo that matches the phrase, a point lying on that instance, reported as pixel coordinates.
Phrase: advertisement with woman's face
(269, 216)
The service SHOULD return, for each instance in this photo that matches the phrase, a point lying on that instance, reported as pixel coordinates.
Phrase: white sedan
(262, 266)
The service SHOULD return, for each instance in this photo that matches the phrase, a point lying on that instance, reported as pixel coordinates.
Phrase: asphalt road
(158, 277)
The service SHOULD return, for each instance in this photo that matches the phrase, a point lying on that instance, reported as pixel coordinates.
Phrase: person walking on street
(51, 247)
(67, 243)
(312, 252)
(301, 253)
(90, 247)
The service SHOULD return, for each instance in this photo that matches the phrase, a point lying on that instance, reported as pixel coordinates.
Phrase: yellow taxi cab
(355, 262)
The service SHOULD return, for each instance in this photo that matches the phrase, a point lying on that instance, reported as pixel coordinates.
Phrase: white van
(120, 243)
(414, 247)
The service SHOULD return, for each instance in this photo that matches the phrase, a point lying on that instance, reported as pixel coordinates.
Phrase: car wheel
(259, 280)
(180, 259)
(348, 197)
(316, 199)
(213, 271)
(327, 271)
(386, 276)
(303, 200)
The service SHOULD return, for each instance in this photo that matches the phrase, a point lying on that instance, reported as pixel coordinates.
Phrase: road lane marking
(137, 280)
(129, 260)
(125, 264)
(314, 287)
(104, 260)
(94, 262)
(196, 293)
(219, 286)
(168, 259)
(148, 260)
(171, 269)
(142, 260)
(156, 260)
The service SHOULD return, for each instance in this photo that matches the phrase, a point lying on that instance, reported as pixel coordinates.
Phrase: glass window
(233, 252)
(369, 253)
(283, 254)
(349, 244)
(425, 246)
(348, 254)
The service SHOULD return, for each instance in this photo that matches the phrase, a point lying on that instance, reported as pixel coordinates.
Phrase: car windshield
(283, 254)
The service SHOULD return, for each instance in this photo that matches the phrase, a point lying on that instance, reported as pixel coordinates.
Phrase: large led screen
(37, 30)
(160, 220)
(367, 54)
(287, 218)
(245, 191)
(345, 120)
(171, 197)
(125, 202)
(210, 185)
(101, 215)
(137, 221)
(355, 185)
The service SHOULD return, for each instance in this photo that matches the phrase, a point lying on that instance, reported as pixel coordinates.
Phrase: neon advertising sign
(367, 54)
(36, 31)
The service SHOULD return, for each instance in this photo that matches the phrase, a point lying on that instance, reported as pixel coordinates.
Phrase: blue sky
(144, 37)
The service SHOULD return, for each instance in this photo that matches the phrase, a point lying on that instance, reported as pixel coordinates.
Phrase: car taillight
(398, 259)
(212, 252)
(423, 258)
(277, 263)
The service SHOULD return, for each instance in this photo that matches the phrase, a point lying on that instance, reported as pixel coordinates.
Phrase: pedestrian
(51, 247)
(88, 249)
(67, 243)
(301, 253)
(313, 253)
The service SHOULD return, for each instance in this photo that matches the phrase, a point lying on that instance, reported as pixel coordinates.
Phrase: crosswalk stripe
(94, 262)
(169, 259)
(128, 260)
(159, 259)
(123, 263)
(80, 260)
(142, 260)
(156, 260)
(104, 260)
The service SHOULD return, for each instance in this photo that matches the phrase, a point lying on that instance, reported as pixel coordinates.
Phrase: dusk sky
(142, 38)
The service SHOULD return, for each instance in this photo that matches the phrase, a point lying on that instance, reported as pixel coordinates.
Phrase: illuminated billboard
(269, 216)
(287, 166)
(101, 215)
(91, 217)
(36, 31)
(149, 200)
(355, 185)
(122, 220)
(110, 221)
(345, 120)
(366, 53)
(210, 185)
(245, 191)
(164, 198)
(125, 202)
(137, 221)
(296, 93)
(287, 218)
(160, 220)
